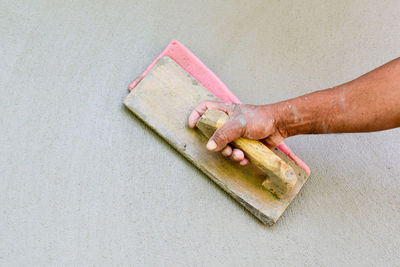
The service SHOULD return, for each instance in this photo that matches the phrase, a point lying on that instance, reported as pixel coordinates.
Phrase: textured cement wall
(83, 182)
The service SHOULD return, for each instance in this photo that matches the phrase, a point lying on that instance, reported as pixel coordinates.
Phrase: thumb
(225, 134)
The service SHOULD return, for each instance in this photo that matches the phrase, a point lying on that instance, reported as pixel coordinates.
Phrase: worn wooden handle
(281, 177)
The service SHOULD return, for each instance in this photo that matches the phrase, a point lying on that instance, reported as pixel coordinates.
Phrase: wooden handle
(281, 177)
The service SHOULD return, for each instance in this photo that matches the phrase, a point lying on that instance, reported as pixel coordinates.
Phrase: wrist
(292, 118)
(277, 114)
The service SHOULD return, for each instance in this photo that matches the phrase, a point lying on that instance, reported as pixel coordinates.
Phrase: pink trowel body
(188, 61)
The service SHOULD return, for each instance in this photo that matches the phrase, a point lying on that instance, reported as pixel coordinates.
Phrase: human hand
(248, 121)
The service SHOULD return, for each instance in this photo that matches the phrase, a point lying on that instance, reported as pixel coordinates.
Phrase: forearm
(368, 103)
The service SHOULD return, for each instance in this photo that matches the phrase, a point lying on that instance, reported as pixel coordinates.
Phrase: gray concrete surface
(83, 182)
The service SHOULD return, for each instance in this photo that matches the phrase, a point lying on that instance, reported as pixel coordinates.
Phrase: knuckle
(238, 154)
(221, 138)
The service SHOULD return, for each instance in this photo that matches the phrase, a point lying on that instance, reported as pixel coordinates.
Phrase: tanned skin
(368, 103)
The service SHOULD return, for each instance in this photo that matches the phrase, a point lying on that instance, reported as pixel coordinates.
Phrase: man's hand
(368, 103)
(249, 121)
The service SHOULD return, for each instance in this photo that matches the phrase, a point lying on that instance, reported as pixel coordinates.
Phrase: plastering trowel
(164, 96)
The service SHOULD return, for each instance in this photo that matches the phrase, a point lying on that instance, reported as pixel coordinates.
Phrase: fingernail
(211, 145)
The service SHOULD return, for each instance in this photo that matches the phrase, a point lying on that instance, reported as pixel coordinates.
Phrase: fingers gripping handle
(281, 177)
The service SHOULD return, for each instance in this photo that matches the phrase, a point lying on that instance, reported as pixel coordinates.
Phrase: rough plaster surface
(83, 182)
